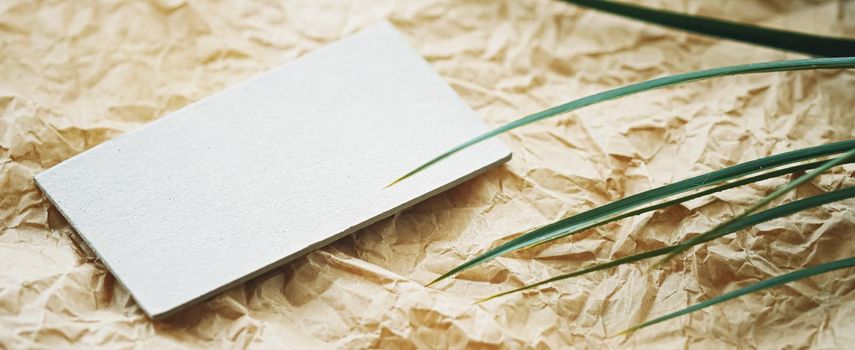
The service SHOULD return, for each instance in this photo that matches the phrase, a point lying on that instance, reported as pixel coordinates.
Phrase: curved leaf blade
(762, 203)
(753, 179)
(814, 45)
(591, 218)
(772, 282)
(736, 225)
(726, 186)
(763, 67)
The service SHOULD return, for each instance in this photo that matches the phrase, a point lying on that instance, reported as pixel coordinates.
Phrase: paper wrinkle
(75, 74)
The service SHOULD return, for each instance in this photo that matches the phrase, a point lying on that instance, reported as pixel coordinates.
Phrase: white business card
(262, 172)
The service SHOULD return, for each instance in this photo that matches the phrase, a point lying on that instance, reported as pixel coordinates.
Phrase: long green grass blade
(591, 218)
(726, 186)
(764, 67)
(772, 282)
(814, 45)
(736, 225)
(763, 202)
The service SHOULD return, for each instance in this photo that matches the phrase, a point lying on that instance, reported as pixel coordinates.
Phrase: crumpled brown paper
(74, 74)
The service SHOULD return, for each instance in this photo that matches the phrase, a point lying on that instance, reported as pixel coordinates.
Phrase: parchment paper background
(76, 73)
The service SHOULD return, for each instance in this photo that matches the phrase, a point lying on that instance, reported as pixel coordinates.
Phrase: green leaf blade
(763, 202)
(591, 218)
(753, 179)
(814, 45)
(751, 68)
(772, 282)
(585, 271)
(735, 226)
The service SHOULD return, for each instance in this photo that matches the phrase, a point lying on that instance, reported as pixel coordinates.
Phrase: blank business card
(260, 173)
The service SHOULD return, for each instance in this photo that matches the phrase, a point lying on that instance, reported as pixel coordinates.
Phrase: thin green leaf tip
(772, 282)
(763, 67)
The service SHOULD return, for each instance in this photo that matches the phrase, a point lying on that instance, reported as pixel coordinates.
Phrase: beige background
(76, 73)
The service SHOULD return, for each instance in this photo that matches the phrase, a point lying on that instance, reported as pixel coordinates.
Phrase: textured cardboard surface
(258, 174)
(74, 74)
